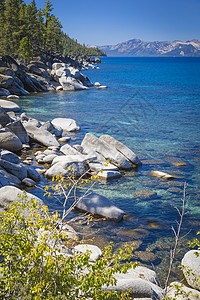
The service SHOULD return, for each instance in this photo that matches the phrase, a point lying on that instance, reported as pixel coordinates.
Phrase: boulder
(19, 130)
(72, 158)
(68, 150)
(97, 84)
(10, 156)
(59, 88)
(64, 139)
(29, 182)
(191, 268)
(138, 287)
(179, 291)
(74, 73)
(3, 180)
(9, 141)
(40, 135)
(4, 117)
(49, 158)
(85, 80)
(162, 175)
(97, 166)
(4, 92)
(92, 142)
(18, 170)
(57, 66)
(100, 205)
(13, 180)
(66, 124)
(128, 153)
(9, 194)
(109, 175)
(52, 129)
(9, 105)
(66, 169)
(32, 173)
(77, 84)
(138, 272)
(94, 251)
(65, 84)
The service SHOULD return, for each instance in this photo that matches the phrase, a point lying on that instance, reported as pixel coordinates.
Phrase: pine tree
(2, 21)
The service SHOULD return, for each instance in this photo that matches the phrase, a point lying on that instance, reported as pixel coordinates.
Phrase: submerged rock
(191, 268)
(145, 194)
(66, 124)
(100, 205)
(162, 175)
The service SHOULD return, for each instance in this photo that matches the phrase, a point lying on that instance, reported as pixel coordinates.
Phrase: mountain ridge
(137, 47)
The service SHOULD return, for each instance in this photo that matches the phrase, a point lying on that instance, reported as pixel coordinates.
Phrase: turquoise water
(153, 106)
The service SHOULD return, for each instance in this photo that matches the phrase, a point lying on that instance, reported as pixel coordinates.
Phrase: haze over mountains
(137, 47)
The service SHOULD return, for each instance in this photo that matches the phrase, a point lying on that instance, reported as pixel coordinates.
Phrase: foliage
(41, 30)
(37, 265)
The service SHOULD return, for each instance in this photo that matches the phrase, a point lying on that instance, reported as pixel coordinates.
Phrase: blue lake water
(152, 105)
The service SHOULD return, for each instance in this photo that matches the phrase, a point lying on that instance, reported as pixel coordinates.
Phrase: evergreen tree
(2, 21)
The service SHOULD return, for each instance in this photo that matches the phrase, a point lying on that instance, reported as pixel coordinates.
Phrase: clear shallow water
(153, 106)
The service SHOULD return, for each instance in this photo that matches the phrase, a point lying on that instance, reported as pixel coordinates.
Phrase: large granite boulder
(9, 105)
(76, 83)
(65, 84)
(66, 169)
(4, 117)
(9, 194)
(40, 135)
(69, 150)
(9, 141)
(191, 268)
(32, 173)
(94, 251)
(100, 205)
(91, 142)
(128, 153)
(10, 178)
(179, 291)
(19, 130)
(18, 170)
(10, 156)
(52, 129)
(66, 124)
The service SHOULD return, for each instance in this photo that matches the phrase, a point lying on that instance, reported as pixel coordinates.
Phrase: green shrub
(35, 267)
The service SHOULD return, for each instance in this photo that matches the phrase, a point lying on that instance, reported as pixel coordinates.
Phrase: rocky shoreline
(19, 133)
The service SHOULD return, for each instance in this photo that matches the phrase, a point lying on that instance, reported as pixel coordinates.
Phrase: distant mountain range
(137, 47)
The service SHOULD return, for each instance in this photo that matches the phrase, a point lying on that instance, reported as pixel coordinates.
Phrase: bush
(36, 265)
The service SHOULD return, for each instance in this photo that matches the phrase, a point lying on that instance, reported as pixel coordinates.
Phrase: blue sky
(111, 21)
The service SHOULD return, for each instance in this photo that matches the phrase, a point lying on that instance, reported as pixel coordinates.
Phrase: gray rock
(10, 156)
(162, 175)
(18, 170)
(41, 136)
(139, 272)
(32, 173)
(71, 159)
(109, 175)
(65, 84)
(19, 130)
(69, 232)
(138, 287)
(191, 270)
(14, 97)
(3, 180)
(49, 158)
(66, 124)
(97, 166)
(29, 182)
(77, 84)
(115, 157)
(13, 180)
(79, 148)
(4, 92)
(9, 194)
(94, 251)
(49, 152)
(57, 66)
(52, 129)
(59, 88)
(69, 150)
(85, 80)
(9, 141)
(179, 291)
(76, 168)
(4, 117)
(64, 139)
(100, 205)
(128, 153)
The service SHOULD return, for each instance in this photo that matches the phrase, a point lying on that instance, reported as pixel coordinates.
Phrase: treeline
(28, 31)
